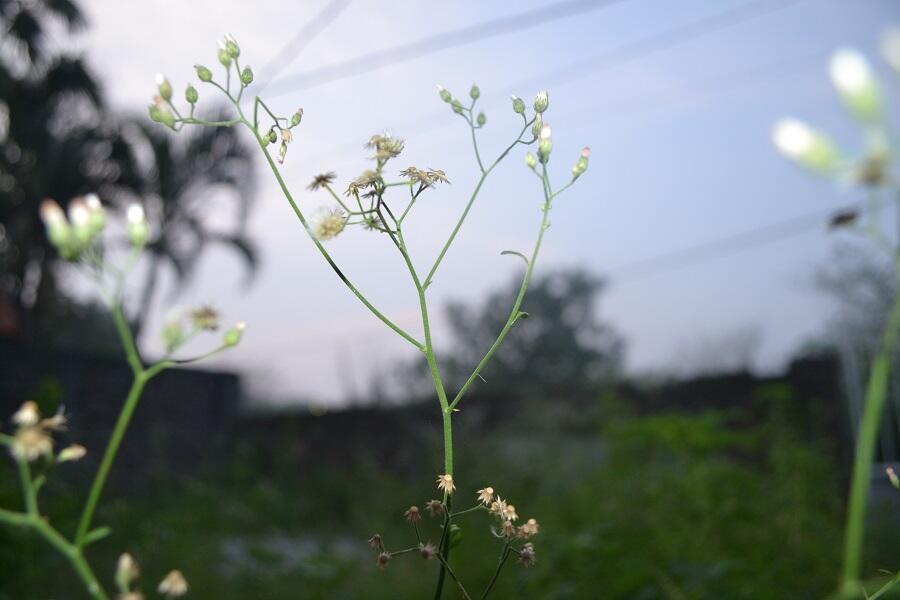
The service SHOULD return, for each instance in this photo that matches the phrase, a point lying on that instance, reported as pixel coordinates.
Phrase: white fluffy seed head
(850, 71)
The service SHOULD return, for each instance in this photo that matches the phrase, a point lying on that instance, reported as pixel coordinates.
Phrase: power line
(721, 247)
(298, 43)
(638, 49)
(380, 59)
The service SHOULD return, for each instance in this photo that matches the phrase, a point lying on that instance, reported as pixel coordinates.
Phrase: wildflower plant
(875, 173)
(380, 200)
(78, 235)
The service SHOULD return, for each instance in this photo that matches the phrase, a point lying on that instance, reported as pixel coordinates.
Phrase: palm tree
(186, 173)
(59, 139)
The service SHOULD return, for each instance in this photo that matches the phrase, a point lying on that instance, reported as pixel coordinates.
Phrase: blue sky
(681, 155)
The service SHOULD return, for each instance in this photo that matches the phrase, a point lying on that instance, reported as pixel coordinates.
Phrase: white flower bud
(97, 219)
(27, 415)
(71, 453)
(852, 77)
(138, 229)
(541, 101)
(545, 144)
(800, 143)
(80, 219)
(58, 231)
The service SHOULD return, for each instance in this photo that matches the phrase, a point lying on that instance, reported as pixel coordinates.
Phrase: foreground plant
(861, 93)
(31, 442)
(379, 201)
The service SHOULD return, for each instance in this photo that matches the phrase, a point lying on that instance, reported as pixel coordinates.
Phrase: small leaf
(456, 536)
(96, 535)
(519, 254)
(522, 315)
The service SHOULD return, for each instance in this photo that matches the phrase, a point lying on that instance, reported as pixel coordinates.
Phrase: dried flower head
(173, 585)
(286, 136)
(526, 555)
(426, 177)
(329, 224)
(435, 508)
(412, 514)
(205, 318)
(321, 180)
(507, 529)
(365, 179)
(376, 543)
(30, 443)
(385, 146)
(486, 495)
(27, 415)
(427, 550)
(445, 483)
(72, 453)
(383, 559)
(528, 529)
(892, 477)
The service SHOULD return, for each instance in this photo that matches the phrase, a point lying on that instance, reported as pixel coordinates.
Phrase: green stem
(504, 555)
(322, 250)
(109, 456)
(73, 553)
(514, 314)
(876, 393)
(465, 213)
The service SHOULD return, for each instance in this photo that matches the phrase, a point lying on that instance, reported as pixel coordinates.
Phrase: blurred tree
(562, 348)
(58, 139)
(183, 177)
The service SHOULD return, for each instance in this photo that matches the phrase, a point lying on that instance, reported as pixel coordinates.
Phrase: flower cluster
(33, 436)
(78, 234)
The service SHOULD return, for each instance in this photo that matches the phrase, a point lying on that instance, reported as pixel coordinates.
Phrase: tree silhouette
(59, 139)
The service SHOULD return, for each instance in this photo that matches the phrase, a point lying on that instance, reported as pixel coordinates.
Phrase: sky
(681, 155)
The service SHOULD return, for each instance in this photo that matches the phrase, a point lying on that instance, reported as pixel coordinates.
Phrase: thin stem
(323, 251)
(109, 456)
(445, 565)
(514, 314)
(131, 352)
(465, 213)
(504, 555)
(876, 393)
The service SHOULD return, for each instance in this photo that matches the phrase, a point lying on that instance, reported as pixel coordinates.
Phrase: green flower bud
(203, 73)
(191, 95)
(530, 160)
(445, 95)
(246, 76)
(474, 93)
(155, 113)
(138, 230)
(581, 164)
(536, 126)
(166, 118)
(457, 106)
(545, 144)
(58, 231)
(481, 119)
(164, 87)
(173, 332)
(518, 105)
(79, 218)
(223, 56)
(541, 101)
(297, 117)
(233, 336)
(282, 152)
(231, 48)
(97, 220)
(272, 136)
